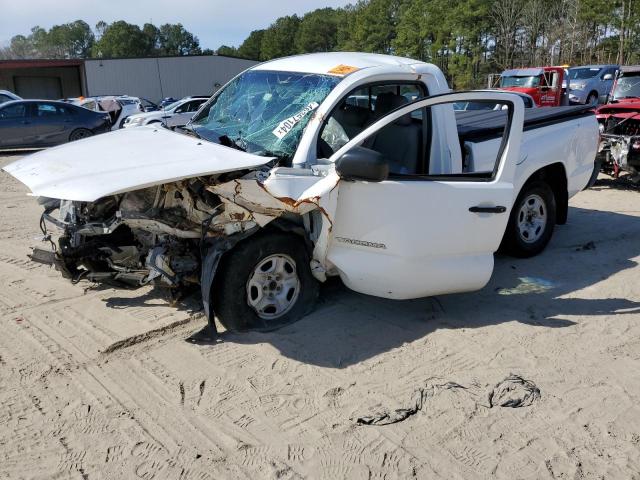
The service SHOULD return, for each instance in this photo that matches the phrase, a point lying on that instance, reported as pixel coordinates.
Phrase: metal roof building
(152, 78)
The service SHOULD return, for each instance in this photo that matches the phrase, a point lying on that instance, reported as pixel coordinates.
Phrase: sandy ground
(101, 383)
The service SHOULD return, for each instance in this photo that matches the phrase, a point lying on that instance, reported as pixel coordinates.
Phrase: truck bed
(480, 125)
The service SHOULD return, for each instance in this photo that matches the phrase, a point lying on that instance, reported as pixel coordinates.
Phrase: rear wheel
(531, 222)
(79, 134)
(264, 283)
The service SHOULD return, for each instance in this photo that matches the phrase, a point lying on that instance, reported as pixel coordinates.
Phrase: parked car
(148, 105)
(7, 96)
(166, 101)
(284, 182)
(543, 84)
(587, 84)
(44, 123)
(173, 115)
(119, 107)
(619, 123)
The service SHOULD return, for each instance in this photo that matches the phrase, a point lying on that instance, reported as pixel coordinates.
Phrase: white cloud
(214, 22)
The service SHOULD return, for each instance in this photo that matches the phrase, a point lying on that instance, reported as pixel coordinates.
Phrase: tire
(79, 134)
(597, 167)
(592, 99)
(531, 221)
(275, 264)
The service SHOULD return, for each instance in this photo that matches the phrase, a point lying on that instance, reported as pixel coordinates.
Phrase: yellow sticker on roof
(343, 69)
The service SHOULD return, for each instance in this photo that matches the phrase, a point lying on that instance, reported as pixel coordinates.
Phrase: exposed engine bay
(160, 234)
(620, 146)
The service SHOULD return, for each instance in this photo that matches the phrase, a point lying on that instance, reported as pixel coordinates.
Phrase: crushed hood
(125, 160)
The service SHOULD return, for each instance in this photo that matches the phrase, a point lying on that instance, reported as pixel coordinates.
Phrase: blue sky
(214, 22)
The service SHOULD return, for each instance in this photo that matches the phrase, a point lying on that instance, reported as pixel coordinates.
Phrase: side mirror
(608, 76)
(361, 163)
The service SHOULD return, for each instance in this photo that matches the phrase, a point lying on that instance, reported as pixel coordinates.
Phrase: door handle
(498, 209)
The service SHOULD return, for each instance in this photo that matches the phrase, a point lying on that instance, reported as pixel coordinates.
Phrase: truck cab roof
(336, 63)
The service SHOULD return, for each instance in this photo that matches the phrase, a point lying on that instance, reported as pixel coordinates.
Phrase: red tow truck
(543, 84)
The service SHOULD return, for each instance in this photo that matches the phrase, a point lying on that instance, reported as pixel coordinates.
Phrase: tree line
(107, 40)
(467, 39)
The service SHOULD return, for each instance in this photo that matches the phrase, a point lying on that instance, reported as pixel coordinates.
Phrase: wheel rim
(80, 135)
(273, 287)
(532, 218)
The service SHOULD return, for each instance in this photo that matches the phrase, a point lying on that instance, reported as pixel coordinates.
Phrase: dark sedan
(44, 123)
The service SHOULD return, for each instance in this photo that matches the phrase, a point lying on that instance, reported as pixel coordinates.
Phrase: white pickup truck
(334, 164)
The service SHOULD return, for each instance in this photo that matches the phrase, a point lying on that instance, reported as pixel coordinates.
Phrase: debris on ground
(527, 285)
(587, 246)
(387, 417)
(514, 391)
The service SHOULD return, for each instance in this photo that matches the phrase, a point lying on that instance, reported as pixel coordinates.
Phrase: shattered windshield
(531, 81)
(264, 112)
(627, 87)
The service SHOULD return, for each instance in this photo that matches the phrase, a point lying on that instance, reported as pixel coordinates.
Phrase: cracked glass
(264, 112)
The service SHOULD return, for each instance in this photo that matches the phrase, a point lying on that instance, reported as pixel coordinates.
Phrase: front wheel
(531, 222)
(264, 284)
(592, 99)
(79, 134)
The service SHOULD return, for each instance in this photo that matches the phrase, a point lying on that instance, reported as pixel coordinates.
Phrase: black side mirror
(361, 163)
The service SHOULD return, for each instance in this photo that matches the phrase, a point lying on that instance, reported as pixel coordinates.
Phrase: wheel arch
(214, 253)
(555, 176)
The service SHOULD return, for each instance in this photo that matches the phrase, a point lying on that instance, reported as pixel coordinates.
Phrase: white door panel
(408, 238)
(424, 239)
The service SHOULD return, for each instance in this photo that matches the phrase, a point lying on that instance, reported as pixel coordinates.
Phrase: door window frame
(379, 83)
(481, 177)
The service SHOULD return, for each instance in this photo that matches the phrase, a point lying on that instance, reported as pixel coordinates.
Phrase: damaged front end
(175, 234)
(619, 148)
(135, 237)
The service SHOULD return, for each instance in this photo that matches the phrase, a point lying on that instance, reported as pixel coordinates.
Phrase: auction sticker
(287, 125)
(343, 69)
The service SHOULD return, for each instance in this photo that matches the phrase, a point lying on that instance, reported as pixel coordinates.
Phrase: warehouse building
(43, 78)
(151, 78)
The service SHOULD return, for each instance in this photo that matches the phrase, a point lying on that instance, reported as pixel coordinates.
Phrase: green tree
(152, 34)
(122, 39)
(371, 26)
(176, 40)
(21, 47)
(252, 46)
(227, 50)
(279, 39)
(317, 31)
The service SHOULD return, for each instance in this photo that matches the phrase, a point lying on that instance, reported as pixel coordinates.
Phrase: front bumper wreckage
(176, 234)
(620, 153)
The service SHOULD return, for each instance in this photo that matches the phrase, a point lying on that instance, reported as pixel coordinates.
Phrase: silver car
(587, 84)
